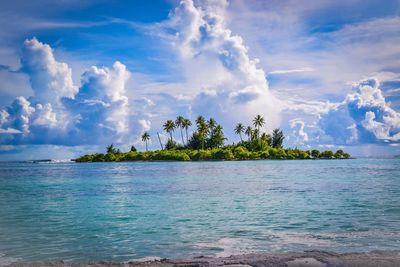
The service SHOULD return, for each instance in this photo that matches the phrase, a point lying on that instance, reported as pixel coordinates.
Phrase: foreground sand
(290, 259)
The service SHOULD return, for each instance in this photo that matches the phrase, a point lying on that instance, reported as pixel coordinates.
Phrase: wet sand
(289, 259)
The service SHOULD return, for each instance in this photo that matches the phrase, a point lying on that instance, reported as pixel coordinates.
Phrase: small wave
(286, 238)
(144, 259)
(228, 246)
(4, 260)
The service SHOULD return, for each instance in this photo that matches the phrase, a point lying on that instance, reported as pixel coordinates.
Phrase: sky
(76, 76)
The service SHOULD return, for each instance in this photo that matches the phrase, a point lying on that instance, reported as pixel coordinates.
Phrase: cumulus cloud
(298, 125)
(19, 114)
(44, 116)
(61, 113)
(219, 63)
(363, 117)
(50, 80)
(100, 108)
(145, 125)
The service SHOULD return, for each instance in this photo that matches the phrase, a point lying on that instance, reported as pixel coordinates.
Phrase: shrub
(182, 156)
(98, 157)
(193, 154)
(171, 144)
(277, 153)
(110, 157)
(254, 155)
(326, 154)
(303, 155)
(264, 154)
(257, 145)
(223, 154)
(241, 153)
(339, 154)
(202, 155)
(130, 156)
(85, 158)
(170, 155)
(315, 153)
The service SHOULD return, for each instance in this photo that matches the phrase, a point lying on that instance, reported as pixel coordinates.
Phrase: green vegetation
(145, 138)
(207, 143)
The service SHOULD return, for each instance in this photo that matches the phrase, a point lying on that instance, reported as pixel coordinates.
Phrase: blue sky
(77, 75)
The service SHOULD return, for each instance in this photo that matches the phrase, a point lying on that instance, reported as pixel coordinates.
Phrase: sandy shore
(290, 259)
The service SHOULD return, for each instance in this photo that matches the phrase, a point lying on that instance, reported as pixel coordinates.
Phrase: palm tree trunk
(183, 142)
(240, 134)
(187, 137)
(159, 140)
(170, 134)
(146, 145)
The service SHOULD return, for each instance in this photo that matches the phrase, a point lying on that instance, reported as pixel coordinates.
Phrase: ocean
(121, 211)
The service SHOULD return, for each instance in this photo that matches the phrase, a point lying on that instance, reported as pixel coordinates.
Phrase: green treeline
(207, 143)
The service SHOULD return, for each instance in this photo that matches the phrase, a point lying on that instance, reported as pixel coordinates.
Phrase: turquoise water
(121, 211)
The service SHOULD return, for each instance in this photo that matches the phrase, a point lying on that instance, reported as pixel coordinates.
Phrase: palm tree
(217, 137)
(255, 134)
(266, 137)
(179, 123)
(112, 150)
(248, 132)
(145, 138)
(239, 129)
(186, 124)
(203, 130)
(211, 124)
(169, 127)
(277, 138)
(200, 120)
(258, 122)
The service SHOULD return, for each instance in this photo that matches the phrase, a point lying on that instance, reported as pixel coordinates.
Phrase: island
(207, 142)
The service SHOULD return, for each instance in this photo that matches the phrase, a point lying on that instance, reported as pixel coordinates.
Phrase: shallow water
(121, 211)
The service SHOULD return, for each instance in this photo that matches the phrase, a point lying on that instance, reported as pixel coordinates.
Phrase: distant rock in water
(50, 161)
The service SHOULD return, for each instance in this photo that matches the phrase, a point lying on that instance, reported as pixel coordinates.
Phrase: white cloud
(19, 114)
(100, 109)
(4, 116)
(306, 69)
(145, 125)
(59, 113)
(337, 49)
(379, 129)
(50, 80)
(216, 61)
(10, 131)
(44, 116)
(363, 117)
(298, 125)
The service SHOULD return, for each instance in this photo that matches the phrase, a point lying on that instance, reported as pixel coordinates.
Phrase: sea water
(121, 211)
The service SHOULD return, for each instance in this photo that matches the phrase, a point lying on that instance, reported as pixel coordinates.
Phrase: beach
(290, 259)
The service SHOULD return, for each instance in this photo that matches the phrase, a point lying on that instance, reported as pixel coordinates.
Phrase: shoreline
(205, 160)
(290, 259)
